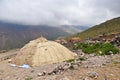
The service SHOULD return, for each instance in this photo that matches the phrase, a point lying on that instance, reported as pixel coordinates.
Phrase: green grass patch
(82, 59)
(70, 60)
(28, 77)
(97, 48)
(1, 71)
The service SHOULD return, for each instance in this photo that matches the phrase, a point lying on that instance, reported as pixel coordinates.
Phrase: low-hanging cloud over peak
(58, 12)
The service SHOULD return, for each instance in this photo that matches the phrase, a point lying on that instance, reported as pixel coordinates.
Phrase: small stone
(104, 64)
(86, 66)
(92, 55)
(65, 78)
(76, 61)
(111, 74)
(75, 66)
(32, 71)
(10, 61)
(82, 54)
(85, 78)
(92, 74)
(41, 74)
(66, 66)
(107, 61)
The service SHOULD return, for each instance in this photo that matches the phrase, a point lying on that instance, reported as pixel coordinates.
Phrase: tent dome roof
(41, 52)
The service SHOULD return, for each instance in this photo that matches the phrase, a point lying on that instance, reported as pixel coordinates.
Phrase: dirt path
(8, 55)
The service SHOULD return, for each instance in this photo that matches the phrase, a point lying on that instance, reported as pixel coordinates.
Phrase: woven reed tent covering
(41, 52)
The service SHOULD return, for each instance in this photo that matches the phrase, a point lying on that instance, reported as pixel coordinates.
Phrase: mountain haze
(73, 29)
(16, 35)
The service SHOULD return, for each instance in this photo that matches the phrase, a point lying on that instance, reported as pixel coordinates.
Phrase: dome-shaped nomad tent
(41, 52)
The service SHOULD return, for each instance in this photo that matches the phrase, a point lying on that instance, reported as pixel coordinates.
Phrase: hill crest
(107, 27)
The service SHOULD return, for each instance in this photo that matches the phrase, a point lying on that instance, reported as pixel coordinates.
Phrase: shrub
(1, 72)
(80, 45)
(100, 49)
(108, 49)
(70, 60)
(82, 59)
(28, 78)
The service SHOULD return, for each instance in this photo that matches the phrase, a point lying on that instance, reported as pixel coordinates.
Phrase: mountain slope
(73, 29)
(14, 35)
(106, 27)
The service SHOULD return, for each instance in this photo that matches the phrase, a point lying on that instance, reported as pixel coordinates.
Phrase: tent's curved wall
(51, 52)
(41, 52)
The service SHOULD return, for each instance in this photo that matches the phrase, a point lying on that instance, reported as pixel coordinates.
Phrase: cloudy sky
(59, 12)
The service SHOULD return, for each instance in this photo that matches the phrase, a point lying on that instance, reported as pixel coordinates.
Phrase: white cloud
(58, 12)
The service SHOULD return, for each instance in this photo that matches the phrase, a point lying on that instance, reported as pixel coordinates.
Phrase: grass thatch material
(41, 52)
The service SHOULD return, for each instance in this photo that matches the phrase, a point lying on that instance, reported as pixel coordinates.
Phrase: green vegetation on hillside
(104, 28)
(97, 48)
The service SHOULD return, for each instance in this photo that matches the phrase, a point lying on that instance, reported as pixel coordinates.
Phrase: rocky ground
(84, 67)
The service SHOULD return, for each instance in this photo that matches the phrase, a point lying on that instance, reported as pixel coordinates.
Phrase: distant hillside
(15, 36)
(73, 29)
(106, 27)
